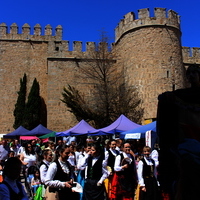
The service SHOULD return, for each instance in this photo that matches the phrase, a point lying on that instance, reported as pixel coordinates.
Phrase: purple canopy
(38, 130)
(81, 128)
(19, 131)
(118, 126)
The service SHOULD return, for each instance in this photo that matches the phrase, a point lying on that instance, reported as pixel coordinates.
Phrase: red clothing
(117, 191)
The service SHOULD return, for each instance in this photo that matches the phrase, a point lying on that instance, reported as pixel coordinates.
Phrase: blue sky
(83, 19)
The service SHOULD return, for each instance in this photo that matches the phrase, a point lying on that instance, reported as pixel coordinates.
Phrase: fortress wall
(17, 58)
(60, 74)
(191, 55)
(148, 49)
(151, 56)
(129, 21)
(25, 33)
(32, 54)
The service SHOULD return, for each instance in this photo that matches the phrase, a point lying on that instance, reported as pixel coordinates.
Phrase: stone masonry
(148, 48)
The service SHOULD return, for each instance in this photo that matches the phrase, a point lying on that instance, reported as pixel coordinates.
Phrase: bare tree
(110, 96)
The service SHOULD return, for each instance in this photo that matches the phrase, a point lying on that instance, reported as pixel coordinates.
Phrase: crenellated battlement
(191, 52)
(129, 22)
(191, 55)
(64, 48)
(56, 46)
(25, 34)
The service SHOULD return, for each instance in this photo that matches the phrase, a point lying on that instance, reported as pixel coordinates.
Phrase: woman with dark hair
(73, 159)
(59, 176)
(10, 188)
(28, 156)
(81, 170)
(95, 174)
(125, 178)
(110, 156)
(35, 180)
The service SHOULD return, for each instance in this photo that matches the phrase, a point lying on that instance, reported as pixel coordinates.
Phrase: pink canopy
(28, 138)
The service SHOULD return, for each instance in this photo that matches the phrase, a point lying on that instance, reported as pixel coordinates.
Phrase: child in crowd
(11, 154)
(35, 181)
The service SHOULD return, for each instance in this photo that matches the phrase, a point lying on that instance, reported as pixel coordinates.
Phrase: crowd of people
(110, 169)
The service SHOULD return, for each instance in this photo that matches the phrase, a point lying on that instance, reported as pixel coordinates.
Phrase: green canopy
(52, 134)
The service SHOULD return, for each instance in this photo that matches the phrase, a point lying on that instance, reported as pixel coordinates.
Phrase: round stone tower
(150, 52)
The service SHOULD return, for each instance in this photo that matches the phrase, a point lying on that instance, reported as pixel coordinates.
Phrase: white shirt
(69, 139)
(15, 150)
(4, 152)
(30, 159)
(73, 159)
(21, 150)
(114, 152)
(117, 166)
(118, 149)
(80, 163)
(154, 156)
(140, 171)
(52, 172)
(83, 165)
(43, 170)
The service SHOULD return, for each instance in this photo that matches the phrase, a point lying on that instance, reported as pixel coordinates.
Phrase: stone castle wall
(45, 57)
(148, 48)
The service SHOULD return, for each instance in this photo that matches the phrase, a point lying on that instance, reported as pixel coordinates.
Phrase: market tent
(19, 131)
(82, 128)
(52, 134)
(28, 138)
(118, 126)
(39, 130)
(141, 130)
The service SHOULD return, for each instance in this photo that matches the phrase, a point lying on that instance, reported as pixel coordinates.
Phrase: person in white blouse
(14, 148)
(125, 178)
(95, 173)
(47, 155)
(155, 155)
(147, 176)
(81, 166)
(59, 176)
(28, 156)
(73, 159)
(110, 156)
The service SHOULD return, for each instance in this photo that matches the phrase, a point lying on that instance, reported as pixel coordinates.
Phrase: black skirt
(152, 190)
(93, 192)
(66, 193)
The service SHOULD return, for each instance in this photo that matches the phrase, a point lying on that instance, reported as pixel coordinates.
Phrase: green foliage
(21, 102)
